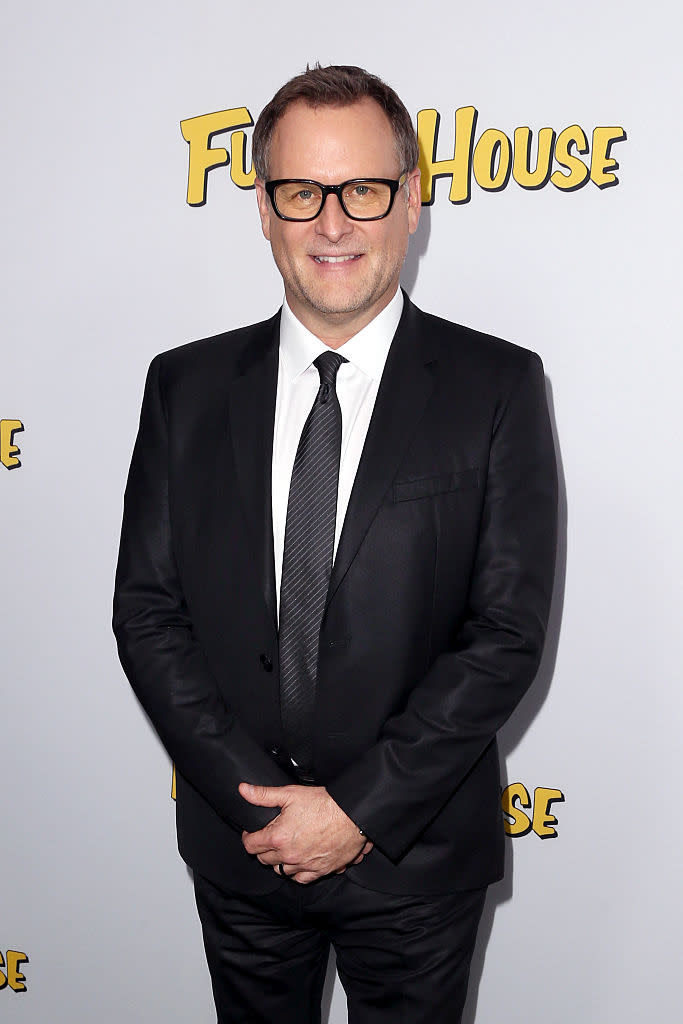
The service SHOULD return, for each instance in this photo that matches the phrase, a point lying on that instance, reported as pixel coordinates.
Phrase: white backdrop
(106, 264)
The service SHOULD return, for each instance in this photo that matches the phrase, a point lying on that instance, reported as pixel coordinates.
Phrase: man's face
(332, 145)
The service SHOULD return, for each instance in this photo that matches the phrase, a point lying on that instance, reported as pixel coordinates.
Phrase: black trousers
(401, 959)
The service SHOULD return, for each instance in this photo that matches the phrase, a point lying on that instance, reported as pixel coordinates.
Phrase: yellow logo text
(10, 975)
(8, 449)
(539, 819)
(565, 159)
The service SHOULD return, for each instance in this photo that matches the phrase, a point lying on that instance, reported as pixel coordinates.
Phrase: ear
(414, 200)
(264, 208)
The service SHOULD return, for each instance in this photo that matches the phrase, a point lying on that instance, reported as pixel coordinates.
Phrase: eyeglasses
(360, 198)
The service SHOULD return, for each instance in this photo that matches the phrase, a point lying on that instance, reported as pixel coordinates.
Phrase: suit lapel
(406, 386)
(252, 416)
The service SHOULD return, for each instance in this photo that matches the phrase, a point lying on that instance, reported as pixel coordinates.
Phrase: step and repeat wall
(550, 156)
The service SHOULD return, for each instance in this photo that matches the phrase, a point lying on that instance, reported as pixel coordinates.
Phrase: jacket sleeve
(454, 712)
(163, 661)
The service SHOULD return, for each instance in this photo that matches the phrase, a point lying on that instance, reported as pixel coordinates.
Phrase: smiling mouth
(337, 259)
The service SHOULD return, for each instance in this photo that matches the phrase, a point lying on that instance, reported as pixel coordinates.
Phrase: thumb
(262, 796)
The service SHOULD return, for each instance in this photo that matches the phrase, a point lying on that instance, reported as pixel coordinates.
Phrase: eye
(299, 193)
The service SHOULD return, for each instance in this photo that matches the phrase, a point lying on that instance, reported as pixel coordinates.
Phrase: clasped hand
(311, 837)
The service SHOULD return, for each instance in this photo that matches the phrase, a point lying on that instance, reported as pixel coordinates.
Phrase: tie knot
(327, 365)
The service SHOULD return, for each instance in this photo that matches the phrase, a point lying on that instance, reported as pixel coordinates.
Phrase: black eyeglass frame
(327, 190)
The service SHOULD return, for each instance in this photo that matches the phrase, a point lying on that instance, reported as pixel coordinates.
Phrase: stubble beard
(368, 291)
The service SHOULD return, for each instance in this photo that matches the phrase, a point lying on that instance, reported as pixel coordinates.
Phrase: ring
(281, 871)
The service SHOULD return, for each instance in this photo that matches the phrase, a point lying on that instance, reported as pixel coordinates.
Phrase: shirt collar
(367, 350)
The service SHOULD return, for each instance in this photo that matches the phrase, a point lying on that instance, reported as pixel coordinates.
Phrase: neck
(335, 329)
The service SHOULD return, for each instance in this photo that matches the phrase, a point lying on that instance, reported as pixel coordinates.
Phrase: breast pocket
(442, 483)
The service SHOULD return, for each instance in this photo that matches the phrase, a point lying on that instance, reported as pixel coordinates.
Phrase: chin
(338, 301)
(338, 308)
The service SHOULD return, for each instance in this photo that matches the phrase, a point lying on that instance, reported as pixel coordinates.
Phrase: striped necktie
(307, 560)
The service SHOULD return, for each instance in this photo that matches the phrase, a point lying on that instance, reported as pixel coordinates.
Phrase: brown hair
(335, 86)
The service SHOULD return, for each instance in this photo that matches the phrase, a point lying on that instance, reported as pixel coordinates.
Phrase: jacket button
(266, 663)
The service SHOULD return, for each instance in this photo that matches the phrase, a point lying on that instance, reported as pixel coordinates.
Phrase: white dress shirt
(297, 385)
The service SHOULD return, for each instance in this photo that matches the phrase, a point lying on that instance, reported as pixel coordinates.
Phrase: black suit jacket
(435, 617)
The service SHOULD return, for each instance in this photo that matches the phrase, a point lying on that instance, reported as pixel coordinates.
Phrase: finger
(272, 858)
(263, 796)
(287, 871)
(305, 877)
(255, 842)
(262, 842)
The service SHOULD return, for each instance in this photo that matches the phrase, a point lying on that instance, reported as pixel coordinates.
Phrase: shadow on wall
(520, 721)
(416, 250)
(328, 988)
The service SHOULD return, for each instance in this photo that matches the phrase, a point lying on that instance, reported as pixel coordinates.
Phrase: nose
(332, 223)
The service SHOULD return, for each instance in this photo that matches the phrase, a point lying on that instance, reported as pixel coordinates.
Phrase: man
(335, 574)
